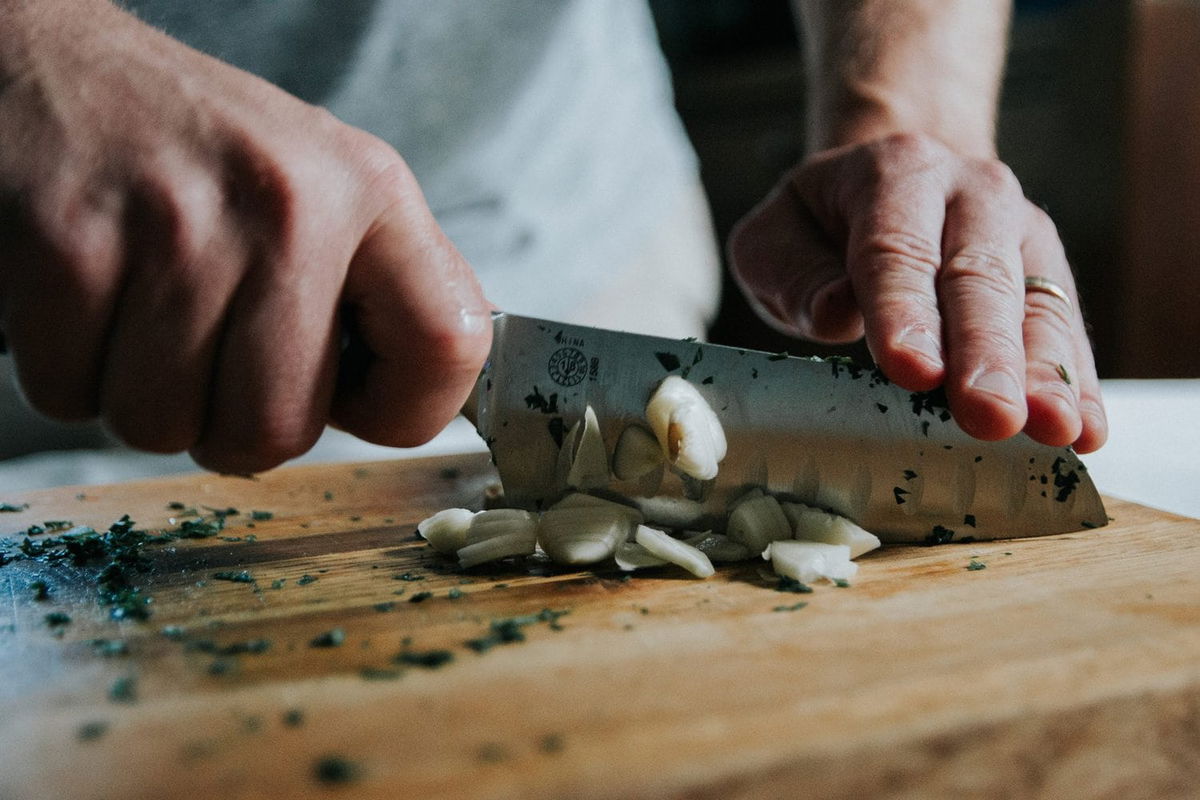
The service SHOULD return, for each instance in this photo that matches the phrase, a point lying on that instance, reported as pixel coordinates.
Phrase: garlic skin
(446, 531)
(496, 534)
(663, 545)
(757, 521)
(637, 453)
(816, 525)
(589, 458)
(687, 429)
(584, 534)
(810, 561)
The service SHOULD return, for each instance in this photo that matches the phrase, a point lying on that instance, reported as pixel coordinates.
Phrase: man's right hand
(179, 242)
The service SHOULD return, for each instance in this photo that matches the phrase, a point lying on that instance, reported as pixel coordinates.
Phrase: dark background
(1064, 129)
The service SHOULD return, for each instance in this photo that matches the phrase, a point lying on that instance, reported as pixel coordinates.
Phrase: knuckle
(890, 249)
(977, 270)
(998, 177)
(912, 150)
(1048, 311)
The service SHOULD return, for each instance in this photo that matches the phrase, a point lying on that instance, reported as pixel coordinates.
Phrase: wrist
(868, 113)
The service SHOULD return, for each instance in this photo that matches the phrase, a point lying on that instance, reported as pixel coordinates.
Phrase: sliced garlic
(671, 512)
(658, 543)
(498, 533)
(582, 500)
(809, 561)
(816, 525)
(687, 429)
(584, 534)
(589, 458)
(758, 521)
(718, 548)
(631, 555)
(637, 453)
(446, 530)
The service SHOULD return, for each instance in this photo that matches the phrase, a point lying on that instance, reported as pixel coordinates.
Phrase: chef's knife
(825, 432)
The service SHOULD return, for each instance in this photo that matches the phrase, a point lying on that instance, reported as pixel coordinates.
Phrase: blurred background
(1100, 120)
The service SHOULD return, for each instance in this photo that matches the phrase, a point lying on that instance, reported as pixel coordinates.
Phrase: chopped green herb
(261, 516)
(509, 630)
(551, 743)
(408, 576)
(293, 718)
(975, 566)
(455, 593)
(222, 666)
(841, 583)
(939, 535)
(278, 583)
(328, 495)
(420, 597)
(11, 508)
(91, 731)
(306, 579)
(388, 606)
(969, 519)
(429, 659)
(789, 584)
(235, 577)
(335, 769)
(123, 690)
(58, 524)
(57, 620)
(1062, 373)
(331, 638)
(40, 589)
(792, 607)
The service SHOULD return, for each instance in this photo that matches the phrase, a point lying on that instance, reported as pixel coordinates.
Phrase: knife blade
(824, 432)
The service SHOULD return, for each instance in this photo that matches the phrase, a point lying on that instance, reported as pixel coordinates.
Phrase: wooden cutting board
(1068, 666)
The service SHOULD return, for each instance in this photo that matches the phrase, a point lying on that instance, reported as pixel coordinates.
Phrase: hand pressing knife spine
(824, 433)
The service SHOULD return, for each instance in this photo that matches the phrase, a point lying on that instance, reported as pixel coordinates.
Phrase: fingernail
(922, 342)
(1000, 384)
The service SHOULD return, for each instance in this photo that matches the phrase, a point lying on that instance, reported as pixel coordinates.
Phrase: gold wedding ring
(1036, 283)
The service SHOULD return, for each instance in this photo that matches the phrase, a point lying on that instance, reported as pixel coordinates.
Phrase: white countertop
(1152, 456)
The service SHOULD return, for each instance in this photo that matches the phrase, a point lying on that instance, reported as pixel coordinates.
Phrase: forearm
(877, 67)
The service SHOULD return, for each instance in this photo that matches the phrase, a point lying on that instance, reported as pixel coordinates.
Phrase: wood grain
(1070, 666)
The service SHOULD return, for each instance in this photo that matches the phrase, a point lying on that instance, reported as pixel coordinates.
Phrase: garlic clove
(446, 531)
(687, 429)
(659, 543)
(758, 521)
(637, 453)
(816, 525)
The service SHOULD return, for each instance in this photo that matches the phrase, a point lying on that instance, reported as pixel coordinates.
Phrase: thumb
(791, 273)
(420, 324)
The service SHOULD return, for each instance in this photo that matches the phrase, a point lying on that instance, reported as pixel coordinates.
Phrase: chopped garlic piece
(446, 530)
(631, 555)
(637, 453)
(589, 458)
(661, 544)
(582, 500)
(758, 521)
(718, 547)
(686, 427)
(815, 525)
(808, 561)
(498, 533)
(584, 534)
(671, 512)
